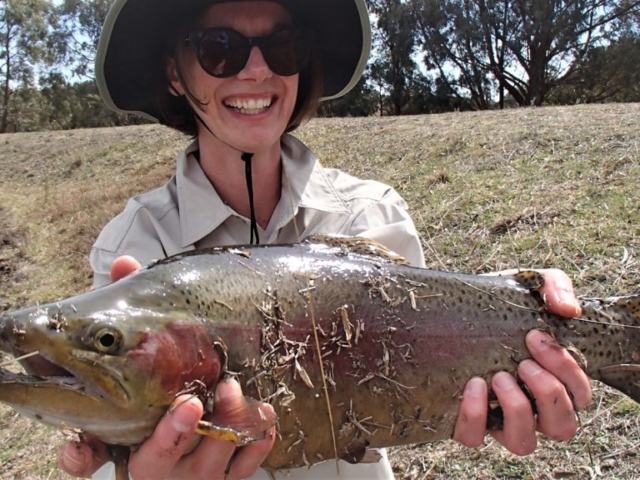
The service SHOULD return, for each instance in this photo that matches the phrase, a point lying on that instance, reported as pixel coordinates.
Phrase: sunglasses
(223, 52)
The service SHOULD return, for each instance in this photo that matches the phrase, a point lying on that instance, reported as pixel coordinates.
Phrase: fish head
(107, 362)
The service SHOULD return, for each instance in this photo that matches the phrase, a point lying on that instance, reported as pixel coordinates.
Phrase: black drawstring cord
(246, 157)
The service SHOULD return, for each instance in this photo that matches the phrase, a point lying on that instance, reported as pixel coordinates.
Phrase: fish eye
(107, 340)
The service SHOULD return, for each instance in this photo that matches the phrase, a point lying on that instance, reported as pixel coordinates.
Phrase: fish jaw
(111, 371)
(63, 402)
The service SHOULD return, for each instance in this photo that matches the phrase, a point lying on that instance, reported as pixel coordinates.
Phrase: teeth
(249, 106)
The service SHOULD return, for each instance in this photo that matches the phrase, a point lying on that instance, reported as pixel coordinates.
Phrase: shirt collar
(308, 183)
(305, 185)
(201, 208)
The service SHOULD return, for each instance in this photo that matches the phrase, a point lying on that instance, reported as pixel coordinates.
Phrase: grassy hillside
(525, 187)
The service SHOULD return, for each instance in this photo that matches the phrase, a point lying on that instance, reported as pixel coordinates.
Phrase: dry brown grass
(528, 187)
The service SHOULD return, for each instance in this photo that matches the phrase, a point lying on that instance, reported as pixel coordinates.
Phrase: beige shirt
(187, 213)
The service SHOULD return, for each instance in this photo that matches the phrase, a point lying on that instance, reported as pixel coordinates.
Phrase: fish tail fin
(240, 423)
(612, 345)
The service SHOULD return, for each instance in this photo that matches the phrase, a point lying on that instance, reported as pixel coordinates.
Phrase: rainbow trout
(352, 348)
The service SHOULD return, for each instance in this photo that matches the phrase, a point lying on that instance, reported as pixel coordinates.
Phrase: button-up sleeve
(389, 223)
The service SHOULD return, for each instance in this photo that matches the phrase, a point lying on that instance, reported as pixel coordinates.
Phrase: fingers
(123, 266)
(83, 458)
(561, 365)
(472, 417)
(556, 417)
(162, 456)
(555, 380)
(160, 453)
(211, 458)
(249, 458)
(519, 433)
(242, 463)
(558, 293)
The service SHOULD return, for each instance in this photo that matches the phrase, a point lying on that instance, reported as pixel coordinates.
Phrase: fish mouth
(37, 365)
(51, 394)
(38, 370)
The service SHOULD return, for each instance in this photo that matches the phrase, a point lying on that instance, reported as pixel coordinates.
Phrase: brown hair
(177, 113)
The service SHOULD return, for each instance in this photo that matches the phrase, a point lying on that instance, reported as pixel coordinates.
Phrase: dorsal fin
(360, 246)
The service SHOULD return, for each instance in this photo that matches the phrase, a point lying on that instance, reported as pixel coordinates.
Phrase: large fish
(352, 348)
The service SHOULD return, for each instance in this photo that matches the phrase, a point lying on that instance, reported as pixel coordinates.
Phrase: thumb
(123, 266)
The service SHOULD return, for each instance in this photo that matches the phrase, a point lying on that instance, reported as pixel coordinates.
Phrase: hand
(552, 376)
(163, 454)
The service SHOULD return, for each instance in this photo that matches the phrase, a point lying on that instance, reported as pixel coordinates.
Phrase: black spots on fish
(630, 305)
(196, 298)
(207, 289)
(507, 314)
(601, 349)
(530, 279)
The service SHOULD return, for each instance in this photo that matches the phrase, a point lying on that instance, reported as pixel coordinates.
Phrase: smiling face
(249, 110)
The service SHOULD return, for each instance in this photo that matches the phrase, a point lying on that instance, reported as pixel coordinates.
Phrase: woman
(237, 75)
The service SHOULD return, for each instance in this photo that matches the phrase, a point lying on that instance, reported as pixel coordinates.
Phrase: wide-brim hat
(130, 60)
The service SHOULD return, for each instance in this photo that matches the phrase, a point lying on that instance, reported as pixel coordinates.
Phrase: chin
(258, 142)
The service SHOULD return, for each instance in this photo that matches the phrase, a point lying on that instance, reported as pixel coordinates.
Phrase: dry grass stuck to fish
(544, 187)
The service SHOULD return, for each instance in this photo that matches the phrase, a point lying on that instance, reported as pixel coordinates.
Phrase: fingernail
(184, 419)
(71, 460)
(529, 368)
(475, 387)
(503, 381)
(226, 389)
(567, 297)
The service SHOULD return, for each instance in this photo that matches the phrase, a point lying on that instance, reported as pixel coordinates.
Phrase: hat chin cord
(246, 158)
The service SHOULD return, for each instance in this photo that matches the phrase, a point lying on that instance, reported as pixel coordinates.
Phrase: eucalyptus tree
(25, 44)
(524, 48)
(393, 69)
(83, 20)
(607, 73)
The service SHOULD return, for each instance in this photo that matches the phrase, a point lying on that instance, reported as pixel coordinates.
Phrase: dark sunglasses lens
(286, 52)
(222, 52)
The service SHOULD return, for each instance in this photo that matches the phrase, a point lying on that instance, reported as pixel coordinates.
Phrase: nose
(256, 67)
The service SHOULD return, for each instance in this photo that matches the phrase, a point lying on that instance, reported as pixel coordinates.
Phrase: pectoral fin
(240, 423)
